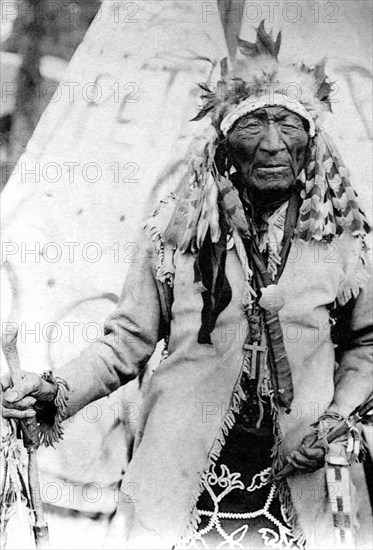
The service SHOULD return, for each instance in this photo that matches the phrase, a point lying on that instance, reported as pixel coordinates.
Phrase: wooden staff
(359, 414)
(31, 442)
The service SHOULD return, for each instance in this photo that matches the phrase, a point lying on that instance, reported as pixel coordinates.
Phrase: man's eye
(248, 123)
(287, 126)
(251, 126)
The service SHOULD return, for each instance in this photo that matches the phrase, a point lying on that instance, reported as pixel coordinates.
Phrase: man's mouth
(272, 169)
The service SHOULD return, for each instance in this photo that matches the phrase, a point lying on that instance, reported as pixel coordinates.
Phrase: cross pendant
(255, 348)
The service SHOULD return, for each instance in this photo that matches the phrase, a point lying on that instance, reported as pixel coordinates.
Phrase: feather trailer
(330, 204)
(209, 217)
(175, 228)
(233, 206)
(196, 207)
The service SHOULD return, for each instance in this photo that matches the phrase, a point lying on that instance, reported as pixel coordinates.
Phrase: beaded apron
(239, 506)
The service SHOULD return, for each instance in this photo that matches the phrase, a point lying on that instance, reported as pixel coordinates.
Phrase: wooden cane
(29, 429)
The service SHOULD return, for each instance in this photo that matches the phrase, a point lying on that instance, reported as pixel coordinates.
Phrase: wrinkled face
(268, 147)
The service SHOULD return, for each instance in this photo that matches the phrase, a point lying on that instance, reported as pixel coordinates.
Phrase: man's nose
(272, 142)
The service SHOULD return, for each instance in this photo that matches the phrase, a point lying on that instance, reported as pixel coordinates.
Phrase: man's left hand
(310, 456)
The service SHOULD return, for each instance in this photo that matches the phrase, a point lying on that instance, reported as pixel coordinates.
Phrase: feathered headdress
(257, 75)
(257, 80)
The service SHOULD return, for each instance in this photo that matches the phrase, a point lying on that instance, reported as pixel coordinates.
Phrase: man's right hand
(20, 401)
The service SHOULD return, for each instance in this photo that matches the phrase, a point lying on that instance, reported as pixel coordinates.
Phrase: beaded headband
(279, 100)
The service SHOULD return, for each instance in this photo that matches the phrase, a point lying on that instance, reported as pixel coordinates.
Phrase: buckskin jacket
(176, 438)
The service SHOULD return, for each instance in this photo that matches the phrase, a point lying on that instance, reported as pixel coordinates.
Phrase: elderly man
(255, 276)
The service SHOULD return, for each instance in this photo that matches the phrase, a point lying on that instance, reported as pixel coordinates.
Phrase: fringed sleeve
(354, 374)
(131, 334)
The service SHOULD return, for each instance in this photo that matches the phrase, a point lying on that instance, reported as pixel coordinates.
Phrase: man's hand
(310, 456)
(20, 401)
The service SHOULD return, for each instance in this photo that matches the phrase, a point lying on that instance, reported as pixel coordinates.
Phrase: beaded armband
(351, 442)
(51, 416)
(340, 453)
(322, 427)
